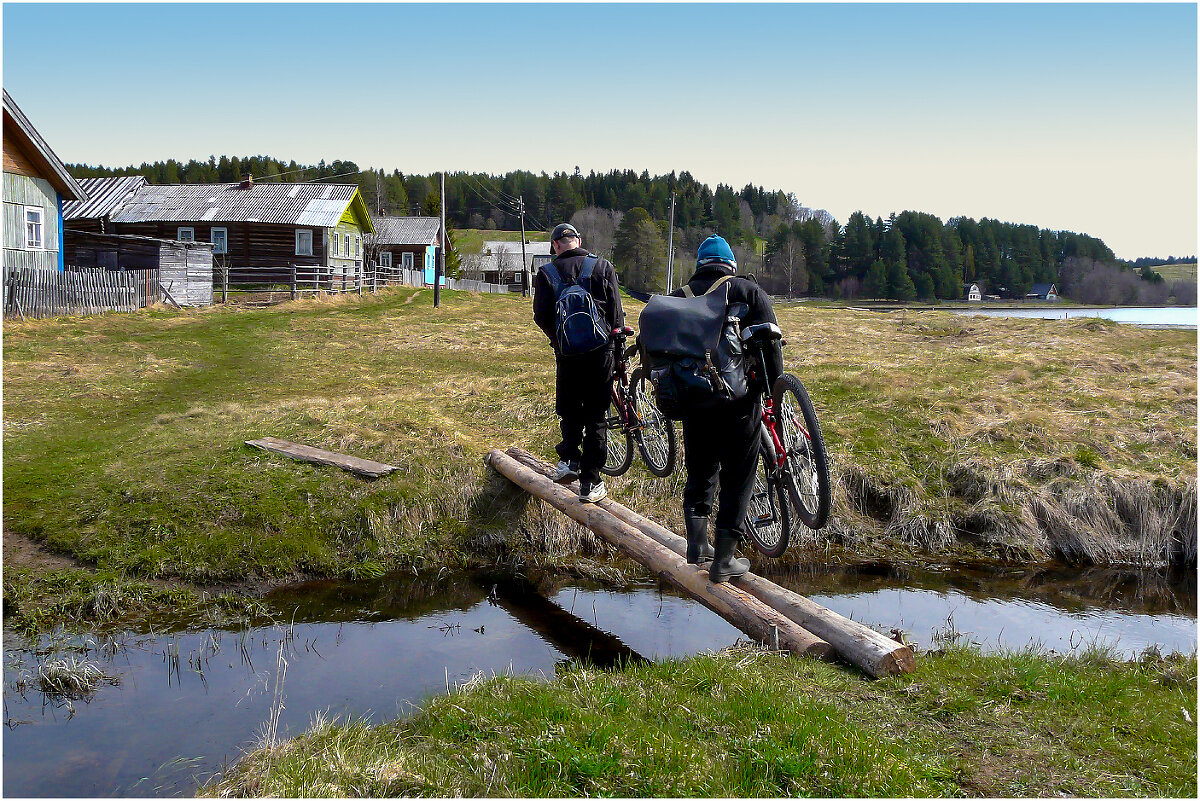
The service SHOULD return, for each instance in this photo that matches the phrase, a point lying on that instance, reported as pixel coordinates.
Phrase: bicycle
(632, 416)
(793, 474)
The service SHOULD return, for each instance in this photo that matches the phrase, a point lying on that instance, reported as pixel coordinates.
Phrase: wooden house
(408, 242)
(1043, 292)
(36, 184)
(262, 227)
(500, 262)
(972, 293)
(185, 269)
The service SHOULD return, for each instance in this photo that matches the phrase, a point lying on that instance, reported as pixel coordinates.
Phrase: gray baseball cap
(562, 230)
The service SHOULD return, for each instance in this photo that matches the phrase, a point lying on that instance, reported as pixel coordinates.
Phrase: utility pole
(439, 267)
(671, 248)
(524, 260)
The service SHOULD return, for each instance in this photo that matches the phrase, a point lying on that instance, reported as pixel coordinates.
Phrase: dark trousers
(720, 448)
(582, 395)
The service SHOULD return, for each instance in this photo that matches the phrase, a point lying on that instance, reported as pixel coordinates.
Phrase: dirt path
(413, 297)
(20, 551)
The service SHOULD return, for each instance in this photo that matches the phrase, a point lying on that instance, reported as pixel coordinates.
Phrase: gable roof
(19, 125)
(407, 230)
(1042, 289)
(104, 195)
(318, 205)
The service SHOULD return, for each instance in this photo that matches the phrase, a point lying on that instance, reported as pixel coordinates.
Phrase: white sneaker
(565, 473)
(590, 493)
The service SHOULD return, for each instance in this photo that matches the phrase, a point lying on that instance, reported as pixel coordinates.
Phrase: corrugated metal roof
(318, 205)
(103, 196)
(407, 230)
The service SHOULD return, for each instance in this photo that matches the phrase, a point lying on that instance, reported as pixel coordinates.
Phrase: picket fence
(32, 293)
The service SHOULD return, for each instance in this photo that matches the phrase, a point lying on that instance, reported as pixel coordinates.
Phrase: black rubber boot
(725, 565)
(698, 549)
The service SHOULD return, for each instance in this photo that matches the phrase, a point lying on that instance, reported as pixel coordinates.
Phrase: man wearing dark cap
(582, 380)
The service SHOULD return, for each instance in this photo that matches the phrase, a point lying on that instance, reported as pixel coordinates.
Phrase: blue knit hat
(715, 249)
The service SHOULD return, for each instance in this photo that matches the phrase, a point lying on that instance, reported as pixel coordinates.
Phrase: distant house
(1043, 292)
(408, 242)
(971, 292)
(500, 262)
(268, 227)
(36, 184)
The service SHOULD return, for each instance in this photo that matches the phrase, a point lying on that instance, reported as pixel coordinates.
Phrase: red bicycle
(633, 417)
(793, 475)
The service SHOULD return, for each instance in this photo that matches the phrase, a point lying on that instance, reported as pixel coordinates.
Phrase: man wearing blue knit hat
(721, 445)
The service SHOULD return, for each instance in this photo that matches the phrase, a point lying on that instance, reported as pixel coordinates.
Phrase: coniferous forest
(792, 249)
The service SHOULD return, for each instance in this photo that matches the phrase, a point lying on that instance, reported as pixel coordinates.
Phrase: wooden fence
(301, 280)
(32, 293)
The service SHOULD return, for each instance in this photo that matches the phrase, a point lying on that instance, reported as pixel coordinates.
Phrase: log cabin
(259, 226)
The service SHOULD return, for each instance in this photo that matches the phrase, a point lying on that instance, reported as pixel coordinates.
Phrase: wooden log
(362, 467)
(873, 652)
(744, 611)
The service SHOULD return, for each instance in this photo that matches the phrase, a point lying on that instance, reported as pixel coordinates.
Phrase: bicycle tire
(656, 440)
(768, 520)
(807, 478)
(618, 444)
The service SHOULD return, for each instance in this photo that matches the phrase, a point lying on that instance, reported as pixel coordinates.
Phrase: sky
(1076, 117)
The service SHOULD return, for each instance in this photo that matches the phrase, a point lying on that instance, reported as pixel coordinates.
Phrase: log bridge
(768, 613)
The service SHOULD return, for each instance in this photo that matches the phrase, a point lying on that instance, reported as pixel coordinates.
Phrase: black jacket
(603, 287)
(748, 292)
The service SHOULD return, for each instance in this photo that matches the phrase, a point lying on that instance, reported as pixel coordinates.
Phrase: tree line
(793, 250)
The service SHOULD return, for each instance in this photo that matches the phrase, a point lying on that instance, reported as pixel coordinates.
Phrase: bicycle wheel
(768, 522)
(807, 476)
(618, 444)
(656, 439)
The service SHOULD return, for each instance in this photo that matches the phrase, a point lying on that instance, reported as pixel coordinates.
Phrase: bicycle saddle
(763, 332)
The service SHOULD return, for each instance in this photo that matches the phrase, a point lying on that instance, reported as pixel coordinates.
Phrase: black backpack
(580, 328)
(692, 348)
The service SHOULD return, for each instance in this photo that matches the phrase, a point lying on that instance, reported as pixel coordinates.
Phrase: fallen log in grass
(873, 652)
(744, 611)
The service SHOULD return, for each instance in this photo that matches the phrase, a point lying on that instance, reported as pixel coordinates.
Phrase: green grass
(123, 434)
(749, 723)
(470, 240)
(1176, 272)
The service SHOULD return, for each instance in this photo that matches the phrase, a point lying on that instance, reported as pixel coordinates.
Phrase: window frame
(406, 260)
(385, 259)
(191, 229)
(40, 244)
(300, 232)
(212, 232)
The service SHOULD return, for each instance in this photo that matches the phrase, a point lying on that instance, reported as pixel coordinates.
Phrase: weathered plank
(305, 453)
(742, 610)
(860, 645)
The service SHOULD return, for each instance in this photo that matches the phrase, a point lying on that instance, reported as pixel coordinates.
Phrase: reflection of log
(875, 653)
(744, 611)
(572, 635)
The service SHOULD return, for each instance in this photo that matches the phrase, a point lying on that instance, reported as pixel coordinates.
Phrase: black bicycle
(633, 417)
(793, 475)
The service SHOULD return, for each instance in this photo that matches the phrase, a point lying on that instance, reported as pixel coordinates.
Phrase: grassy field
(127, 483)
(1176, 272)
(751, 723)
(470, 240)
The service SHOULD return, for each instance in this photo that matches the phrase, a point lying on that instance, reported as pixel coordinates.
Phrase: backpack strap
(687, 289)
(552, 276)
(585, 273)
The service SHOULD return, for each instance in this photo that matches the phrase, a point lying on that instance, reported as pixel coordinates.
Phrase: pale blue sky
(1080, 117)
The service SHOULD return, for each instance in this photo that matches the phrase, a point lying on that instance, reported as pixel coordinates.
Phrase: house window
(406, 261)
(220, 240)
(357, 245)
(303, 242)
(186, 235)
(385, 259)
(333, 243)
(34, 228)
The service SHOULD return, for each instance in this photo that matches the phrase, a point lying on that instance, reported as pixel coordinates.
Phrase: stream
(180, 703)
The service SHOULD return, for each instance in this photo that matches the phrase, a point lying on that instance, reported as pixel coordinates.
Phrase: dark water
(189, 700)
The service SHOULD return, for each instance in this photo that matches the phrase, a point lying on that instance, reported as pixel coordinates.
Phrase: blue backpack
(580, 327)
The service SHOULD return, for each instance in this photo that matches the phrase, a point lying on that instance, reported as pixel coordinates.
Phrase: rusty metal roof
(407, 230)
(318, 205)
(103, 196)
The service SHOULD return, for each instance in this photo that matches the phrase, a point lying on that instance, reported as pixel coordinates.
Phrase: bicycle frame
(771, 421)
(622, 394)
